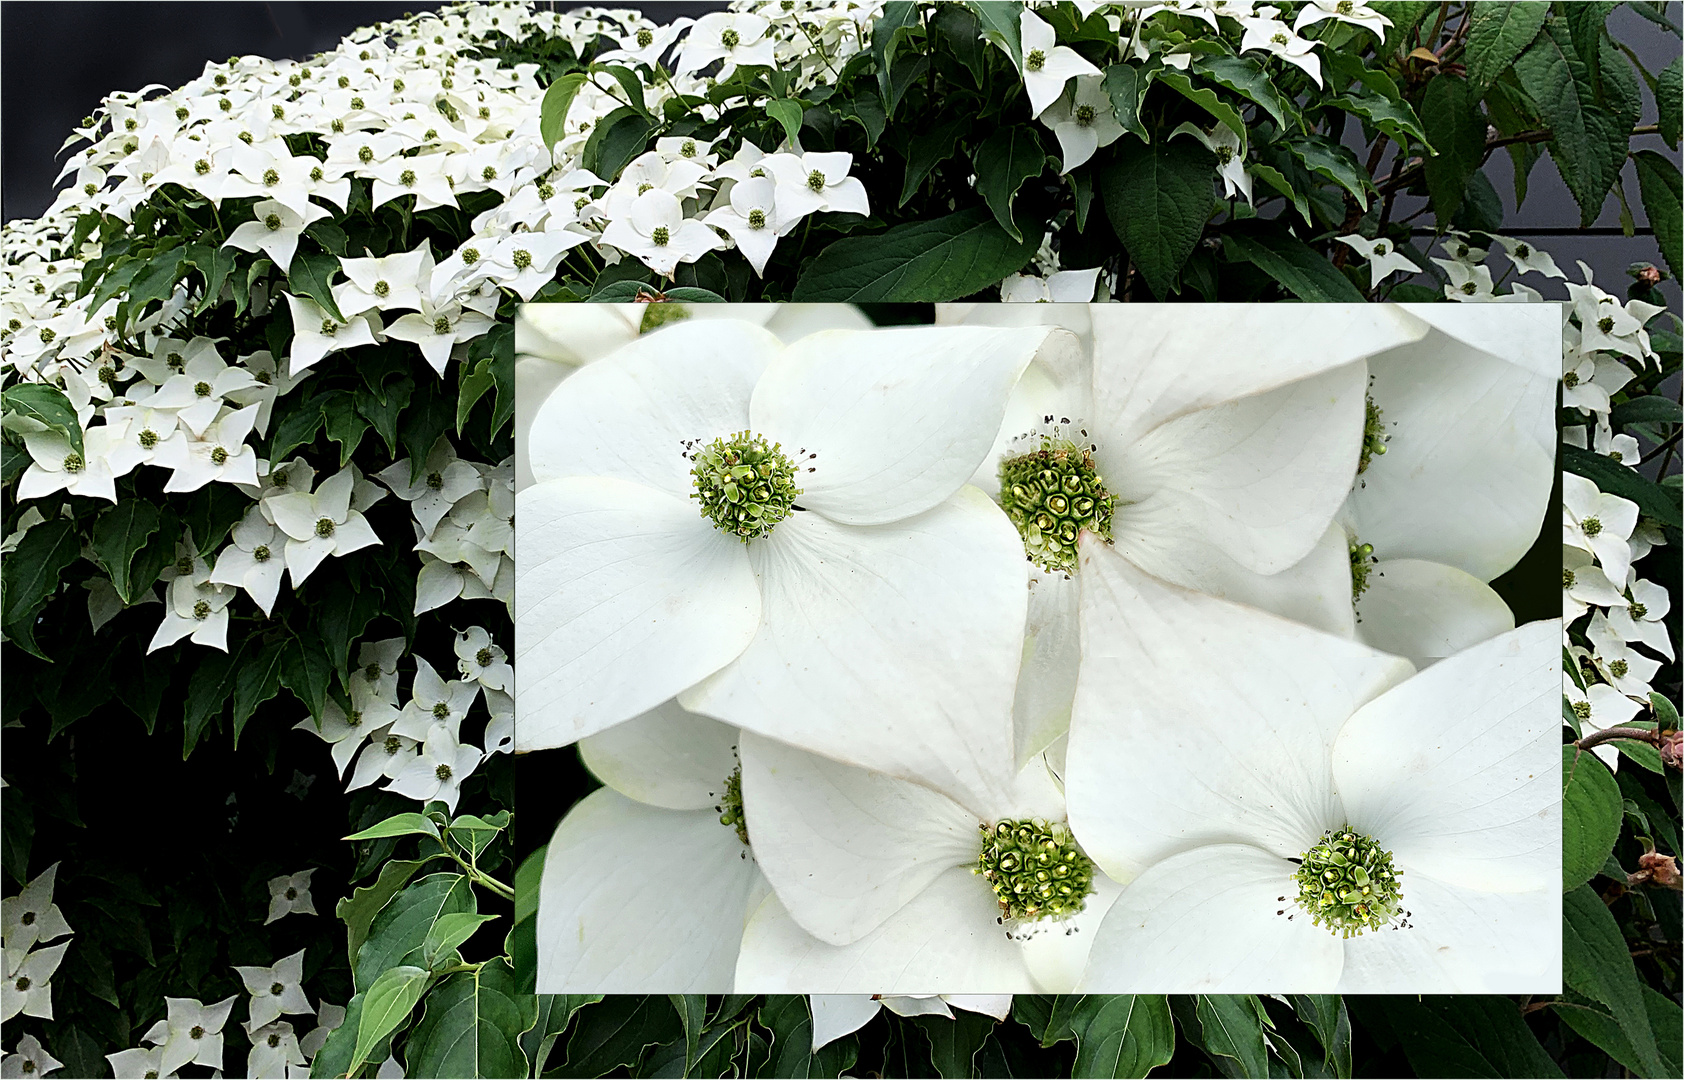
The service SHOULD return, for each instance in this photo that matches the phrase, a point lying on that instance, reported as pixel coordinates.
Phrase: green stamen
(1362, 563)
(1052, 494)
(745, 486)
(1374, 437)
(731, 806)
(1347, 883)
(1035, 869)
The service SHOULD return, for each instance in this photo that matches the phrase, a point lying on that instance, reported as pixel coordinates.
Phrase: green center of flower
(483, 658)
(1084, 115)
(382, 289)
(1522, 251)
(442, 772)
(329, 328)
(1570, 380)
(274, 1040)
(201, 167)
(198, 1032)
(292, 894)
(1605, 324)
(1591, 526)
(441, 325)
(1362, 562)
(815, 181)
(1581, 709)
(1618, 669)
(1051, 495)
(365, 154)
(271, 178)
(757, 218)
(687, 149)
(219, 456)
(1347, 883)
(1374, 436)
(1224, 154)
(745, 485)
(729, 38)
(201, 610)
(521, 258)
(28, 918)
(1638, 610)
(1035, 869)
(731, 806)
(1469, 288)
(393, 745)
(488, 174)
(202, 389)
(645, 38)
(1567, 578)
(660, 236)
(1343, 7)
(435, 481)
(324, 527)
(184, 565)
(441, 710)
(1279, 39)
(23, 983)
(73, 462)
(407, 178)
(1036, 60)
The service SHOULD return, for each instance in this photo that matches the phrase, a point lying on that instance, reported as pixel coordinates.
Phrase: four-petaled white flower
(480, 659)
(275, 231)
(31, 916)
(30, 1059)
(1598, 523)
(1240, 791)
(56, 465)
(320, 524)
(1046, 65)
(1355, 12)
(194, 608)
(315, 333)
(435, 701)
(274, 1050)
(1083, 120)
(191, 1033)
(438, 772)
(1383, 257)
(255, 560)
(654, 229)
(289, 894)
(736, 38)
(1265, 30)
(28, 987)
(275, 990)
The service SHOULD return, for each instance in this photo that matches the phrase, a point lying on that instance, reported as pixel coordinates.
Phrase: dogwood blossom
(275, 990)
(1383, 259)
(191, 1033)
(30, 1059)
(1046, 65)
(289, 894)
(836, 1015)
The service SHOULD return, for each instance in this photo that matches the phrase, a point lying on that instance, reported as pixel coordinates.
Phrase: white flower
(1046, 65)
(255, 560)
(329, 1018)
(377, 672)
(1644, 618)
(655, 230)
(275, 990)
(1589, 380)
(439, 327)
(1287, 741)
(1063, 287)
(1597, 707)
(321, 524)
(753, 219)
(443, 479)
(194, 608)
(1528, 259)
(1583, 583)
(31, 916)
(435, 701)
(274, 1050)
(736, 38)
(479, 659)
(276, 230)
(386, 755)
(195, 393)
(315, 334)
(1383, 259)
(289, 894)
(1597, 523)
(528, 260)
(1630, 672)
(836, 1015)
(672, 882)
(1083, 120)
(345, 732)
(759, 616)
(439, 770)
(1606, 326)
(191, 1034)
(29, 1060)
(1265, 31)
(57, 466)
(885, 886)
(1229, 148)
(28, 984)
(819, 181)
(1469, 282)
(219, 453)
(139, 1061)
(393, 281)
(1355, 12)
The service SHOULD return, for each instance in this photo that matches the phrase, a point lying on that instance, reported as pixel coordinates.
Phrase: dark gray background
(57, 60)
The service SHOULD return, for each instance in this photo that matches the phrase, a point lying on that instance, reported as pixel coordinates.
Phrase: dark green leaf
(616, 1031)
(1454, 125)
(156, 281)
(386, 1005)
(383, 411)
(1245, 77)
(1497, 34)
(788, 114)
(399, 932)
(312, 276)
(954, 1043)
(471, 1025)
(552, 114)
(1669, 89)
(1000, 25)
(1126, 86)
(398, 825)
(1663, 197)
(1290, 261)
(1272, 176)
(896, 24)
(344, 423)
(1555, 77)
(449, 933)
(692, 1011)
(1616, 479)
(1394, 117)
(1205, 98)
(207, 693)
(1332, 161)
(258, 680)
(421, 426)
(1327, 1016)
(358, 910)
(630, 85)
(789, 1020)
(930, 147)
(342, 615)
(1649, 409)
(1121, 1034)
(1229, 1026)
(46, 405)
(1003, 162)
(555, 1011)
(1596, 962)
(211, 514)
(1590, 816)
(1158, 199)
(306, 670)
(32, 571)
(926, 261)
(1594, 1021)
(118, 533)
(618, 137)
(1464, 1035)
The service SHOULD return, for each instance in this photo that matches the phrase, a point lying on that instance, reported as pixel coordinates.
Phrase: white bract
(289, 894)
(275, 990)
(1260, 742)
(1046, 65)
(1383, 258)
(836, 1015)
(191, 1033)
(747, 525)
(649, 880)
(320, 524)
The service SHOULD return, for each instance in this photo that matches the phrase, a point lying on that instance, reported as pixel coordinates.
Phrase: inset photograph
(1038, 648)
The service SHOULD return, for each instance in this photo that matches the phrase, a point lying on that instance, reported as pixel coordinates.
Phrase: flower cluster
(1054, 673)
(28, 920)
